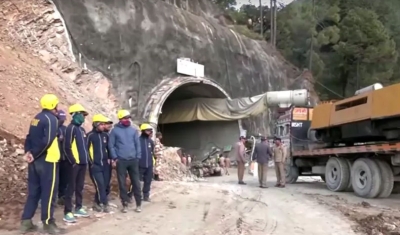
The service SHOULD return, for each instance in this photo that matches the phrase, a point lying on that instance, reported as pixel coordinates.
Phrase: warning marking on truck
(373, 148)
(300, 114)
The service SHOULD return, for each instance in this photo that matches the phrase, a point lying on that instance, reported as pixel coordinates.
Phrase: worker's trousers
(100, 178)
(132, 167)
(64, 169)
(146, 175)
(280, 173)
(43, 186)
(75, 185)
(241, 169)
(108, 175)
(262, 174)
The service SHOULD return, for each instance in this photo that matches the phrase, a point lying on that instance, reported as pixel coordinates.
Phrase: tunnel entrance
(197, 137)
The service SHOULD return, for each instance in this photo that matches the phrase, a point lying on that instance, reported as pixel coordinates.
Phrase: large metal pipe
(287, 98)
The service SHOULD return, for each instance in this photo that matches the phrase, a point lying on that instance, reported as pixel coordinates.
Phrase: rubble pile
(209, 167)
(13, 182)
(13, 175)
(171, 167)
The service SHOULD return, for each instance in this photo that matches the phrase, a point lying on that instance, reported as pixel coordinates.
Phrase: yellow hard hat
(123, 113)
(49, 101)
(101, 118)
(77, 108)
(145, 126)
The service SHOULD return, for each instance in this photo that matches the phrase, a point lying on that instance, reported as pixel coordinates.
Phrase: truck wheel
(292, 173)
(366, 178)
(337, 174)
(387, 178)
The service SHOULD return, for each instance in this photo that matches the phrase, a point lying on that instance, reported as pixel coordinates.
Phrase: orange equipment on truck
(352, 144)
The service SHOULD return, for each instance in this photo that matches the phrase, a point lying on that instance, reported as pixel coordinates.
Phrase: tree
(368, 53)
(225, 4)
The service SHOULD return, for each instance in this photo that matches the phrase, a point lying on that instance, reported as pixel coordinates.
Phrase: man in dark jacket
(262, 154)
(77, 153)
(64, 164)
(146, 163)
(124, 146)
(99, 161)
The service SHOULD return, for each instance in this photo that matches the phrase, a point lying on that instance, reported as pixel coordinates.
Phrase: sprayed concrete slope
(136, 44)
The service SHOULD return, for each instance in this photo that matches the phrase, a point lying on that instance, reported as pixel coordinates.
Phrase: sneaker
(98, 208)
(69, 218)
(27, 226)
(81, 213)
(138, 209)
(124, 209)
(106, 209)
(52, 228)
(147, 199)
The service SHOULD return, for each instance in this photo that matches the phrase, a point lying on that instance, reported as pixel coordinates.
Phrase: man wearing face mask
(77, 153)
(64, 164)
(124, 147)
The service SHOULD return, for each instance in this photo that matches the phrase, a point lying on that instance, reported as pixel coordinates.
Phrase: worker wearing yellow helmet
(146, 163)
(77, 153)
(42, 152)
(99, 161)
(124, 147)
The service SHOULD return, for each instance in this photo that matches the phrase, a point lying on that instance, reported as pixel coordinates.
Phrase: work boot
(242, 183)
(27, 226)
(96, 207)
(106, 209)
(52, 228)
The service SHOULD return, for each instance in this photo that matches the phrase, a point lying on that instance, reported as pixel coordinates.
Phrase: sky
(257, 2)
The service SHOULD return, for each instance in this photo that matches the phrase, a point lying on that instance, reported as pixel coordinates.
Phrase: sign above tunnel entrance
(186, 66)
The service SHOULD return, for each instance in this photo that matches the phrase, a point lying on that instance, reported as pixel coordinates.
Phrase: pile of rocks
(13, 175)
(171, 167)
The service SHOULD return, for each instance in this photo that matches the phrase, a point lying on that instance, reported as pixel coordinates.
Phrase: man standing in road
(279, 159)
(124, 146)
(42, 154)
(146, 162)
(239, 152)
(262, 154)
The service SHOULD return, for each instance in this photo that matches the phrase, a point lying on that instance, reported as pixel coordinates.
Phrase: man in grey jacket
(124, 149)
(262, 154)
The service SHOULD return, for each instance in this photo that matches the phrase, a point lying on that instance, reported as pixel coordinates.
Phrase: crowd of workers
(60, 155)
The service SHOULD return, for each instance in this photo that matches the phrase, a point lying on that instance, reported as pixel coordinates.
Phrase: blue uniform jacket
(97, 145)
(75, 145)
(61, 137)
(124, 143)
(41, 140)
(147, 147)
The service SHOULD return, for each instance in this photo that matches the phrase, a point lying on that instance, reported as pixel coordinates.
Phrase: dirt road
(220, 206)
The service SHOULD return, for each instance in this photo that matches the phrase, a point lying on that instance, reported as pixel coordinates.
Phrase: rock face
(136, 43)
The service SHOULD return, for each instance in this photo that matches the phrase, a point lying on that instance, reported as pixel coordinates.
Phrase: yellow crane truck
(352, 144)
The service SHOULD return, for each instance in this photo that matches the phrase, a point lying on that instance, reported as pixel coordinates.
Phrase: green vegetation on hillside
(351, 43)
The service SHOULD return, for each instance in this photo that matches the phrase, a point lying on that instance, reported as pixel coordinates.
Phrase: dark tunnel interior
(198, 137)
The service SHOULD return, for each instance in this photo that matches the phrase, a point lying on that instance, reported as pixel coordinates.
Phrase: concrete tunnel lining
(197, 137)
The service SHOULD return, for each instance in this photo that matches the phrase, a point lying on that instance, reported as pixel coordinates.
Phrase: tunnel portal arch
(196, 137)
